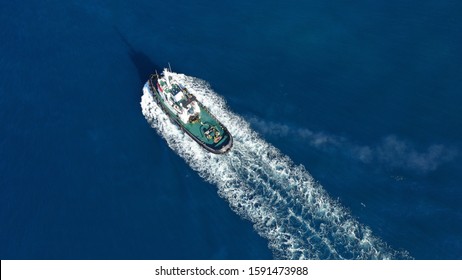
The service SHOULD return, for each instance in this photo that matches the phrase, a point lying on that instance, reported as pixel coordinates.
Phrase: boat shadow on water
(143, 63)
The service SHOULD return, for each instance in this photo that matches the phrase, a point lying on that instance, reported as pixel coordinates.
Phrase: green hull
(206, 130)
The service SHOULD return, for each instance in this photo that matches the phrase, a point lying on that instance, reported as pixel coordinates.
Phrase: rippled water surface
(346, 119)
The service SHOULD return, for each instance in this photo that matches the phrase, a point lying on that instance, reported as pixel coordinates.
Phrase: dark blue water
(365, 95)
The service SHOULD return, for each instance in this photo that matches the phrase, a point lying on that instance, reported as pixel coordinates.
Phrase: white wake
(282, 200)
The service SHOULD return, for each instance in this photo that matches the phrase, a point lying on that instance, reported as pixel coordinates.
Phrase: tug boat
(188, 113)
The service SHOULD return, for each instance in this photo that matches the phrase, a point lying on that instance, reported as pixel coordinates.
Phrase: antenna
(170, 68)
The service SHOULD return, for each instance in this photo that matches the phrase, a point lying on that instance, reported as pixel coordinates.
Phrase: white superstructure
(177, 98)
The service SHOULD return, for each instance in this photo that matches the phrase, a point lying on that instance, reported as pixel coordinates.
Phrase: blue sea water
(365, 95)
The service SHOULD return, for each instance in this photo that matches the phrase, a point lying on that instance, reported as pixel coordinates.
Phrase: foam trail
(262, 185)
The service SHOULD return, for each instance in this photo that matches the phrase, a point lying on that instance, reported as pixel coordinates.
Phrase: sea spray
(282, 200)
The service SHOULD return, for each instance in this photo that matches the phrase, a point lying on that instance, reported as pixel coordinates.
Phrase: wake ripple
(282, 200)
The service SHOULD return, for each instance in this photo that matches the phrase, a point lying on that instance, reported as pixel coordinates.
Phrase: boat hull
(221, 148)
